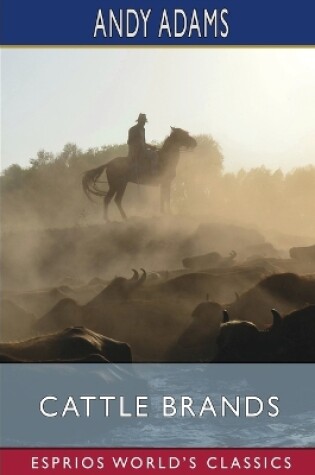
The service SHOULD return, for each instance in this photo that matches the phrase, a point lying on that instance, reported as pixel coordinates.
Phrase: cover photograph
(157, 280)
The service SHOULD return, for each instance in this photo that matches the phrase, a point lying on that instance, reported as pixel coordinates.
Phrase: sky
(257, 103)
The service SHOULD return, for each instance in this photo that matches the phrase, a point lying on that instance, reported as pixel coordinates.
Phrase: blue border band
(236, 22)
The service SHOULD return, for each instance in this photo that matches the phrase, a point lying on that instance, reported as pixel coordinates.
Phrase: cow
(197, 342)
(41, 302)
(69, 344)
(207, 261)
(221, 287)
(67, 312)
(261, 250)
(96, 281)
(38, 302)
(119, 289)
(84, 293)
(286, 292)
(288, 339)
(295, 334)
(304, 254)
(154, 277)
(242, 341)
(239, 342)
(93, 358)
(274, 265)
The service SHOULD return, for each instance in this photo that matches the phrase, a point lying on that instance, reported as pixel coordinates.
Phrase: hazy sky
(259, 104)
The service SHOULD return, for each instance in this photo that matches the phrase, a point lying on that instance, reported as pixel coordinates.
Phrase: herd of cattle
(213, 310)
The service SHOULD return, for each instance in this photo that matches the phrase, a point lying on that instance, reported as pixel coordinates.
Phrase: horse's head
(182, 138)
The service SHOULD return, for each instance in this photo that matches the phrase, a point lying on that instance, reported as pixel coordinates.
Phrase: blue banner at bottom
(157, 405)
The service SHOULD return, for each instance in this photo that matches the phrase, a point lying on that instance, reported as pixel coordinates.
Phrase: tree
(43, 158)
(13, 177)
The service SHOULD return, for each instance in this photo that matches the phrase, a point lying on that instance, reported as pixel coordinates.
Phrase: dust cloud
(55, 244)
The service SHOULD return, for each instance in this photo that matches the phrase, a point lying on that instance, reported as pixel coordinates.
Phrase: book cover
(157, 237)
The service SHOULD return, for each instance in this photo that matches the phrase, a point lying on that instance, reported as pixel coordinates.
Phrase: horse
(122, 170)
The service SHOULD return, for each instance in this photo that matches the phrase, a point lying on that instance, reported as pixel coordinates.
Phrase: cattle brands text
(138, 406)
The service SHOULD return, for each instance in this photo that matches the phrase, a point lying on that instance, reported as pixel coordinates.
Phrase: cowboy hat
(142, 117)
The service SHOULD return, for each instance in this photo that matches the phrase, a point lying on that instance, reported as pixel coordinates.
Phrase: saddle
(148, 165)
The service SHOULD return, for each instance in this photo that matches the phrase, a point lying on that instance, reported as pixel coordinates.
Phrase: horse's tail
(89, 182)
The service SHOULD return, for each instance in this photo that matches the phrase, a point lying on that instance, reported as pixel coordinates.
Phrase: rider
(138, 149)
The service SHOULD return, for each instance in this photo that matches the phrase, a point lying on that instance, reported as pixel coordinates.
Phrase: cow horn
(207, 297)
(143, 277)
(135, 276)
(233, 254)
(237, 296)
(277, 319)
(226, 317)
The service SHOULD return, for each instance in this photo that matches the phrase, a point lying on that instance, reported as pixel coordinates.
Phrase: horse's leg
(107, 199)
(118, 199)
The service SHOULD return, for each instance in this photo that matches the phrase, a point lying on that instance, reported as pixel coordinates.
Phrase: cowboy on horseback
(119, 172)
(139, 150)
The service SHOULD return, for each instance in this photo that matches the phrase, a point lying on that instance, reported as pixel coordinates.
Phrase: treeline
(48, 193)
(259, 197)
